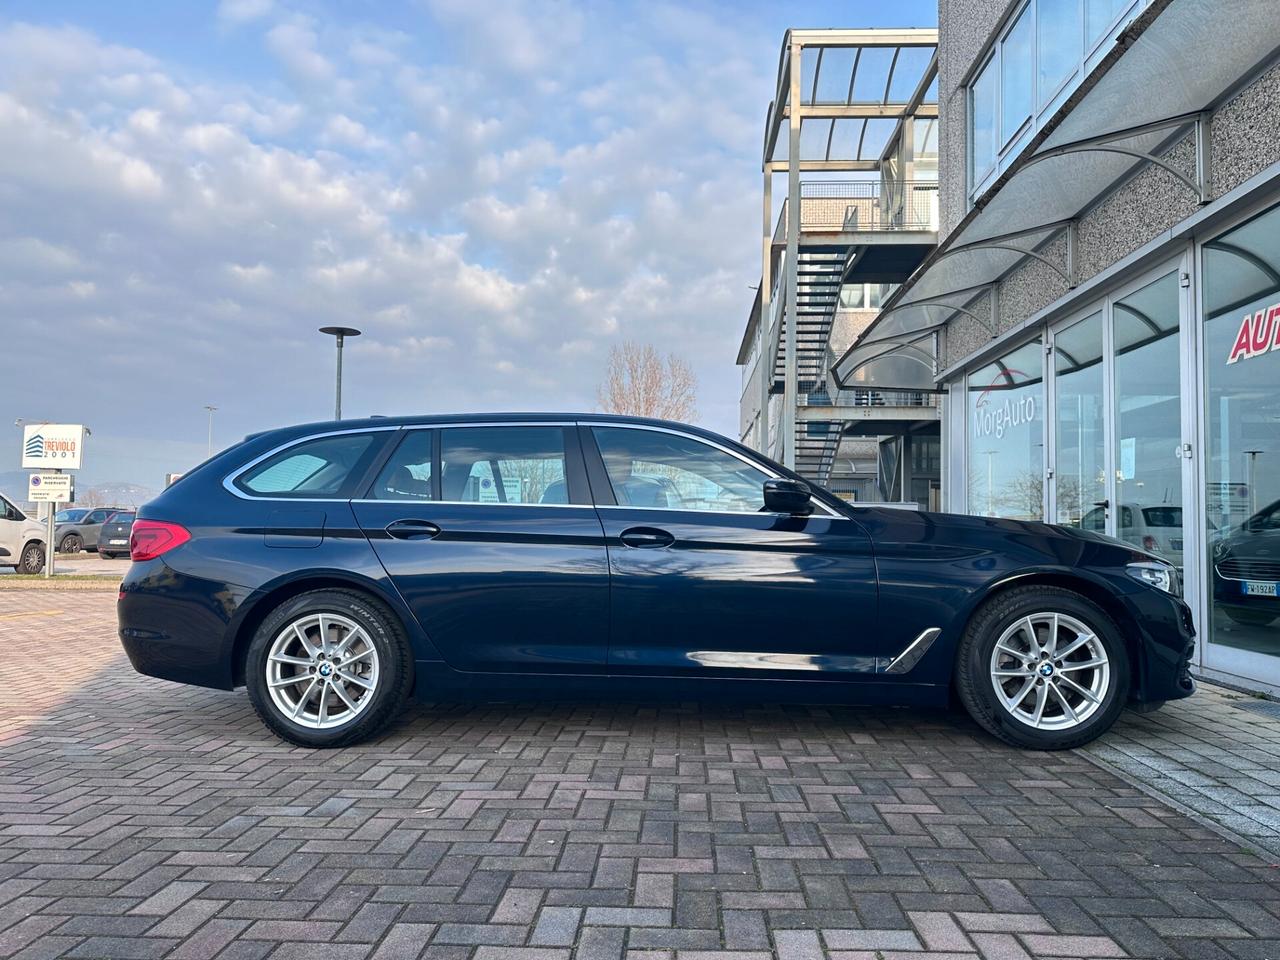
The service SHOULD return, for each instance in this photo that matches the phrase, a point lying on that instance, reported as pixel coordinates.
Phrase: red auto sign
(1259, 333)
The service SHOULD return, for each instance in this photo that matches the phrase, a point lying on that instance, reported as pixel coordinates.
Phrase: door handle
(1105, 504)
(646, 537)
(412, 530)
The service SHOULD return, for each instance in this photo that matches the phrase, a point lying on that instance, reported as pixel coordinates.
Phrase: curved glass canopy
(1153, 90)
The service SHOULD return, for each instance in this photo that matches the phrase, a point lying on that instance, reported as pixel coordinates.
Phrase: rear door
(489, 534)
(706, 582)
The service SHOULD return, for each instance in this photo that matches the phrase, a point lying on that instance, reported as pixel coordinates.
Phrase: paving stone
(140, 819)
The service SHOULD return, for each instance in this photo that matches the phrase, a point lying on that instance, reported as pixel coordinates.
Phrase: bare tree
(641, 383)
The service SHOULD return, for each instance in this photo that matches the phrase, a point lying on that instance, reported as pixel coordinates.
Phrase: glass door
(1146, 507)
(1240, 365)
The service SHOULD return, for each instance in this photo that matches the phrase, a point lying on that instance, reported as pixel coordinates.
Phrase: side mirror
(788, 496)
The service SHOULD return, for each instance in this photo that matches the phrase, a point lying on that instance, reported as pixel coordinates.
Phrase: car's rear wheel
(71, 543)
(32, 558)
(1042, 667)
(328, 668)
(105, 555)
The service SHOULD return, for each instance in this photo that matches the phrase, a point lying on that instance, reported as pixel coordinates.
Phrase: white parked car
(1155, 527)
(21, 539)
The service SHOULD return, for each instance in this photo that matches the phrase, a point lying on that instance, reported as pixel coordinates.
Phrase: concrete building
(852, 139)
(1102, 311)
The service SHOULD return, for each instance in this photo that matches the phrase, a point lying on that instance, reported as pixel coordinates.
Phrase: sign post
(56, 447)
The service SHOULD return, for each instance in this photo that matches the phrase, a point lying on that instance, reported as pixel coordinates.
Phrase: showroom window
(1040, 56)
(1005, 412)
(1080, 425)
(1241, 358)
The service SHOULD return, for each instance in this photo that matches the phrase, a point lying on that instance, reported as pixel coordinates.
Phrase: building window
(1080, 477)
(1242, 434)
(1041, 56)
(1005, 410)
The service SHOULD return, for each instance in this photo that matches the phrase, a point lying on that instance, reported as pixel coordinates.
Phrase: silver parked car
(82, 534)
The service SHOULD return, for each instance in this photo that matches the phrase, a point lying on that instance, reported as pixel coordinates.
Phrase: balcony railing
(847, 206)
(859, 397)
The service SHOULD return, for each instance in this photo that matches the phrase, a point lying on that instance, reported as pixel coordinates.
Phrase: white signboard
(52, 445)
(49, 488)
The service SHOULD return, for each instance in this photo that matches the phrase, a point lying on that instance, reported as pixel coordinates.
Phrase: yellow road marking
(28, 613)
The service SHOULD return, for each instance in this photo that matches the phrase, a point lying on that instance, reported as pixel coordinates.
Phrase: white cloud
(242, 11)
(294, 45)
(505, 230)
(342, 131)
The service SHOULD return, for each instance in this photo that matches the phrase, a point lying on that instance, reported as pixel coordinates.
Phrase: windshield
(123, 517)
(69, 516)
(1162, 516)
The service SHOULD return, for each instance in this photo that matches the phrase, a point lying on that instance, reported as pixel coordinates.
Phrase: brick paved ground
(142, 819)
(1217, 754)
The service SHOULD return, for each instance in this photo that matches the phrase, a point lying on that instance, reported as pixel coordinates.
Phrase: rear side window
(313, 468)
(503, 465)
(407, 475)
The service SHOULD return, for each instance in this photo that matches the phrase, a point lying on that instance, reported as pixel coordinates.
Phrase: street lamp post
(339, 334)
(210, 407)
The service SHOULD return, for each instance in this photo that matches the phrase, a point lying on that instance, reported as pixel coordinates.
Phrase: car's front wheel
(1043, 667)
(32, 558)
(328, 668)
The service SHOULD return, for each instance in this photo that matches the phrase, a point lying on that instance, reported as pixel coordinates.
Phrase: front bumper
(1166, 644)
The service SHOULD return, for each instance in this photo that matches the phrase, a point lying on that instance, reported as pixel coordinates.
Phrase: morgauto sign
(57, 446)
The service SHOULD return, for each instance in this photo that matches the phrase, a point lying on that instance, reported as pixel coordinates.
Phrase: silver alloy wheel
(322, 670)
(1050, 671)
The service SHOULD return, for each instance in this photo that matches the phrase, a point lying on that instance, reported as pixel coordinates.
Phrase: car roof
(434, 419)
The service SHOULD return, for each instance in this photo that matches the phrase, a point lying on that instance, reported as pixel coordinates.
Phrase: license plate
(121, 543)
(1258, 588)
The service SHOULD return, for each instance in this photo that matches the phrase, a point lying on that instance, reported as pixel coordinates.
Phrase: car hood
(1253, 543)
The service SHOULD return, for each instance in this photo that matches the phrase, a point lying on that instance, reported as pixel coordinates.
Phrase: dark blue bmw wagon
(336, 569)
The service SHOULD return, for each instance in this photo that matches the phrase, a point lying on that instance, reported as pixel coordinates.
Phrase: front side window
(69, 516)
(313, 468)
(668, 471)
(515, 465)
(97, 516)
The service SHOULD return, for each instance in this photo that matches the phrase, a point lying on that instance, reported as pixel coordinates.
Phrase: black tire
(104, 555)
(1249, 618)
(31, 560)
(977, 688)
(395, 667)
(71, 543)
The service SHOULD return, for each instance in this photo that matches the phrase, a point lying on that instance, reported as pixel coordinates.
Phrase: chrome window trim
(228, 482)
(474, 503)
(771, 474)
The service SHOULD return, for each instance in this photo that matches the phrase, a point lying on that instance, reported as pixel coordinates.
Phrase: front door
(705, 582)
(489, 535)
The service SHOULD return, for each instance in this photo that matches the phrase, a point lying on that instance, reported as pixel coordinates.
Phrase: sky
(495, 192)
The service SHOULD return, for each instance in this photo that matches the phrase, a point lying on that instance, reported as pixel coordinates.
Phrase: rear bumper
(175, 627)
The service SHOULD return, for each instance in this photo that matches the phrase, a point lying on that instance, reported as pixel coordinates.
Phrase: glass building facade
(1151, 414)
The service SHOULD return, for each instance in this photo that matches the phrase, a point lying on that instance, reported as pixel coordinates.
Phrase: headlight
(1162, 576)
(1220, 549)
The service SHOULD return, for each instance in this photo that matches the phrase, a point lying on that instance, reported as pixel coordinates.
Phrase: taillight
(1148, 542)
(151, 538)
